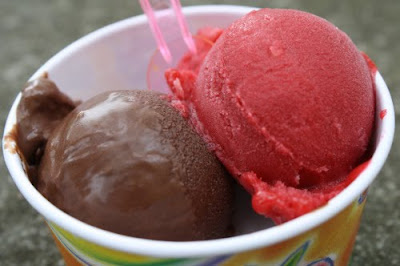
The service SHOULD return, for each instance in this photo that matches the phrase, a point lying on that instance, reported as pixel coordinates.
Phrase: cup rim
(168, 249)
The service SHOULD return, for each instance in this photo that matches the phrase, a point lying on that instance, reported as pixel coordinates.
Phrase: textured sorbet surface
(286, 101)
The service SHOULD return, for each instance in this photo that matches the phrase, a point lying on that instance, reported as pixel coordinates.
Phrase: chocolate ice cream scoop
(41, 109)
(127, 162)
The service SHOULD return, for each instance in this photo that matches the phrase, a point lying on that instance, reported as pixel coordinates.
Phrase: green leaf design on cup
(295, 258)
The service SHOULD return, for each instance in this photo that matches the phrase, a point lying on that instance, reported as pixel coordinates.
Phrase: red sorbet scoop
(286, 101)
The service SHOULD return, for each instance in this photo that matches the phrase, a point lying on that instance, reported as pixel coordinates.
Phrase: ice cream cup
(115, 57)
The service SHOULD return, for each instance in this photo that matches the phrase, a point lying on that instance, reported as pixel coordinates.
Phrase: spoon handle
(148, 8)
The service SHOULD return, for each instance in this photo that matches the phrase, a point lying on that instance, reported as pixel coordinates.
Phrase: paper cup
(115, 57)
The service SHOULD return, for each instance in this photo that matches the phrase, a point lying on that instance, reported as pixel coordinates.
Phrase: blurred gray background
(31, 31)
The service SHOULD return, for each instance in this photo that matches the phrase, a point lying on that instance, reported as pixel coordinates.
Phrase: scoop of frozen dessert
(42, 107)
(127, 162)
(286, 101)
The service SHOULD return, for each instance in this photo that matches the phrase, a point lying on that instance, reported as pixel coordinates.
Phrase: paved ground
(32, 31)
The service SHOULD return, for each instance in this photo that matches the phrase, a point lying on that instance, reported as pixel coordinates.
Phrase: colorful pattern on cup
(331, 243)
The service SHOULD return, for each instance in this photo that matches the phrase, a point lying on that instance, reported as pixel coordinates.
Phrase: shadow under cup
(116, 57)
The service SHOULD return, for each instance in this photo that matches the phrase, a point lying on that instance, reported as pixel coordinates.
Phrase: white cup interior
(116, 57)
